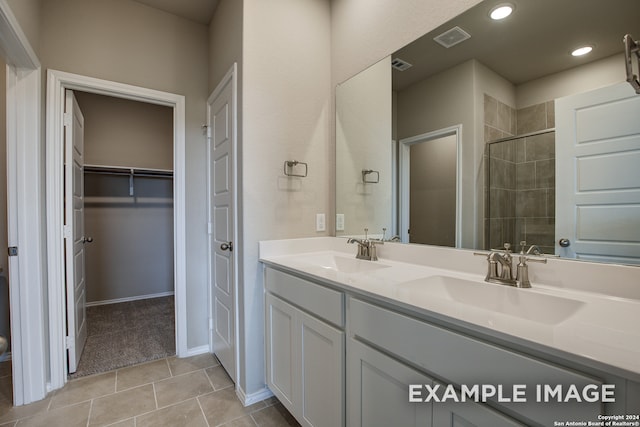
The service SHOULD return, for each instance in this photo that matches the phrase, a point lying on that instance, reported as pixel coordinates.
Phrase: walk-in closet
(128, 229)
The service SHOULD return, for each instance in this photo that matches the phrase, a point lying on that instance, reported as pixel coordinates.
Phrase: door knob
(87, 239)
(227, 246)
(564, 242)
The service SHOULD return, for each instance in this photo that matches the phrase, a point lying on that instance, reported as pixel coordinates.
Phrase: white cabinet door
(282, 369)
(322, 367)
(378, 390)
(469, 414)
(305, 364)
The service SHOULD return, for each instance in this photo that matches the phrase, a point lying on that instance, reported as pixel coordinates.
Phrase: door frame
(231, 77)
(405, 152)
(25, 211)
(57, 83)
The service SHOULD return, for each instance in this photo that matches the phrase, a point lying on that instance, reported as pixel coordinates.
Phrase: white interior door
(74, 230)
(221, 131)
(598, 174)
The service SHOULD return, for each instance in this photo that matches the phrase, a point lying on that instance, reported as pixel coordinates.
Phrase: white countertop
(599, 330)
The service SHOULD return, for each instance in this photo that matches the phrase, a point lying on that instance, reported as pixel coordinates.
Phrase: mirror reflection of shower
(520, 177)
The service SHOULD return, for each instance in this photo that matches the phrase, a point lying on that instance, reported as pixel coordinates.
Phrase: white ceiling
(196, 10)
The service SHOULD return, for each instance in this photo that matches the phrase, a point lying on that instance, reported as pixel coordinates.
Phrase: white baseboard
(196, 351)
(136, 298)
(250, 399)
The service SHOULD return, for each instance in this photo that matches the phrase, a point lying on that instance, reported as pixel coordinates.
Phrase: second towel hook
(289, 166)
(366, 172)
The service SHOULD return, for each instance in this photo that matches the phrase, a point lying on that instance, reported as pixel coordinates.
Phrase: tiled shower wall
(520, 176)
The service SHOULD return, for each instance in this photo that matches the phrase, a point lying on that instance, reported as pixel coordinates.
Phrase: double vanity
(402, 340)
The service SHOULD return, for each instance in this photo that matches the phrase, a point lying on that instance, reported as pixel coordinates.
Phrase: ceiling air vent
(399, 64)
(452, 37)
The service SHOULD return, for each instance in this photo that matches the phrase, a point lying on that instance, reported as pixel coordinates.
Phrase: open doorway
(58, 85)
(127, 235)
(430, 188)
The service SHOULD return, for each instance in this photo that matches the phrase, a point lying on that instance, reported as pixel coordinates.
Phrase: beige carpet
(127, 333)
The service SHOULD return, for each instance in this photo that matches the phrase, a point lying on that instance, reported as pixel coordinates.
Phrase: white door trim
(230, 77)
(26, 273)
(405, 150)
(57, 82)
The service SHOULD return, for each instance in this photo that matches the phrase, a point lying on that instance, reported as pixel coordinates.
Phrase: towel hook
(366, 172)
(290, 164)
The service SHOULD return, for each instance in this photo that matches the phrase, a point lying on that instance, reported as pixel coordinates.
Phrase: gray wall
(363, 141)
(132, 251)
(286, 109)
(28, 13)
(120, 132)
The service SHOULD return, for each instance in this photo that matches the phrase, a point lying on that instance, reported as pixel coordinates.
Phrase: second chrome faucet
(500, 266)
(366, 248)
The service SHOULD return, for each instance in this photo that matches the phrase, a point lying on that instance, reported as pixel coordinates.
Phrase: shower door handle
(227, 246)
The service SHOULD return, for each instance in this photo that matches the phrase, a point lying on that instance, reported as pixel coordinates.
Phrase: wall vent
(452, 37)
(400, 64)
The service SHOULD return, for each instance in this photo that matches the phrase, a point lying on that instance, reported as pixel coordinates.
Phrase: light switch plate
(339, 222)
(320, 222)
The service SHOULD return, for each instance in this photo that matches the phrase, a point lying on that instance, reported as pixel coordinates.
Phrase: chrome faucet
(522, 275)
(366, 248)
(500, 266)
(392, 239)
(533, 249)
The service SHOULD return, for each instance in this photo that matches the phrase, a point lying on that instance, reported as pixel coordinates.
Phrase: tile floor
(174, 392)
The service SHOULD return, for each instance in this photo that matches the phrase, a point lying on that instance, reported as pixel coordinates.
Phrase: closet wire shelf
(131, 172)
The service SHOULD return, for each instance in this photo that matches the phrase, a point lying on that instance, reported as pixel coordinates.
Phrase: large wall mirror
(490, 131)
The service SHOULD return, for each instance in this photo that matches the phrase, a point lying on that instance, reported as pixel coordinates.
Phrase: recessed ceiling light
(582, 50)
(501, 11)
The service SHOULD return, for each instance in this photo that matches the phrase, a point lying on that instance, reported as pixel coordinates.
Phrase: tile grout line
(209, 379)
(202, 411)
(155, 395)
(135, 417)
(180, 402)
(253, 419)
(90, 411)
(166, 359)
(50, 401)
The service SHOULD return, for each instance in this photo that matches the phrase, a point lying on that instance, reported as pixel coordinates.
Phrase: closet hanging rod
(124, 170)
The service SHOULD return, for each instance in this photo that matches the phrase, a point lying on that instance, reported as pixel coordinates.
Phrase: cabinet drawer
(322, 302)
(459, 359)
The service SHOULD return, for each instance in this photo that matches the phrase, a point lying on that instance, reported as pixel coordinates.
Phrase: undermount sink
(522, 303)
(341, 264)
